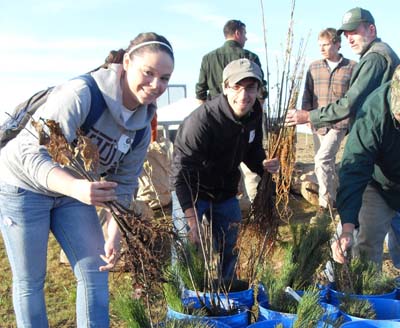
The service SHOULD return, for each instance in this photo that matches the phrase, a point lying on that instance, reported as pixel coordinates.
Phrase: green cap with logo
(240, 69)
(354, 17)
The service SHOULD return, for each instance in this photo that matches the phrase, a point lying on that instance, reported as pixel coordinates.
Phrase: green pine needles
(309, 312)
(308, 248)
(366, 278)
(357, 307)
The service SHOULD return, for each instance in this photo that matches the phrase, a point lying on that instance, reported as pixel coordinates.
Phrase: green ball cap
(354, 17)
(240, 69)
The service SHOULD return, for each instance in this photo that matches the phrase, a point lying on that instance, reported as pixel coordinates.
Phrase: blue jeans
(26, 218)
(225, 218)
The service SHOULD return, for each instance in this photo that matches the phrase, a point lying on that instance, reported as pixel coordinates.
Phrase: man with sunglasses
(210, 144)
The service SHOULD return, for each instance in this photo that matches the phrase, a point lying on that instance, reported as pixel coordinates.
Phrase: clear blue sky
(45, 42)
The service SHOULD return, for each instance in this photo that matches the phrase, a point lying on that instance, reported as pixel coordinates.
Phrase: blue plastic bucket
(385, 309)
(397, 282)
(209, 323)
(238, 320)
(216, 324)
(371, 324)
(244, 297)
(335, 296)
(266, 324)
(262, 297)
(331, 313)
(286, 319)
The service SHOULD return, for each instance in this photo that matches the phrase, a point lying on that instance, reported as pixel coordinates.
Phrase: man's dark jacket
(209, 146)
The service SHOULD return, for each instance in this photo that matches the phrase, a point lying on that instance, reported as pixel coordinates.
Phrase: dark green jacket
(372, 155)
(212, 65)
(376, 67)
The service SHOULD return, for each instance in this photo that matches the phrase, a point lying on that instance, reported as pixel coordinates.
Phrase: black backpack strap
(97, 107)
(97, 104)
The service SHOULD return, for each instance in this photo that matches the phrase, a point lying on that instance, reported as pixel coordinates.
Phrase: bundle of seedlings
(199, 269)
(129, 308)
(359, 276)
(134, 314)
(307, 249)
(309, 311)
(362, 277)
(143, 239)
(259, 231)
(357, 307)
(278, 139)
(187, 324)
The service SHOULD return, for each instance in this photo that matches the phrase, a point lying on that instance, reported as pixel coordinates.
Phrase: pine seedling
(172, 289)
(302, 256)
(365, 277)
(192, 268)
(309, 311)
(356, 307)
(130, 310)
(310, 249)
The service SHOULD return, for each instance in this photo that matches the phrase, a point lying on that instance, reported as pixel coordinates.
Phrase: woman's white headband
(147, 43)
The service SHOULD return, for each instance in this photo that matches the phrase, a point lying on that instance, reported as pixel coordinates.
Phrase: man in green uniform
(209, 84)
(369, 177)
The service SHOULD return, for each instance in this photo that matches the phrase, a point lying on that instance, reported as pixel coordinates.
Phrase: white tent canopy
(171, 115)
(177, 111)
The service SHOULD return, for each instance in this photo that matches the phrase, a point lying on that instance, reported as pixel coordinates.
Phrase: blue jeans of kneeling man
(224, 217)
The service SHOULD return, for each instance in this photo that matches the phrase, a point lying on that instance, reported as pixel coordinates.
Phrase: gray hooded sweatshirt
(26, 164)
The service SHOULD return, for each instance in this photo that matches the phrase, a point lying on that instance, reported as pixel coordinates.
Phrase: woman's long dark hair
(117, 56)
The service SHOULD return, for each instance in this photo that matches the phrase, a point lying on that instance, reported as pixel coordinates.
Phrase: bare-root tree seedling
(270, 206)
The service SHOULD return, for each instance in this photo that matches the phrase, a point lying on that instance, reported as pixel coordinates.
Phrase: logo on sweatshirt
(106, 146)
